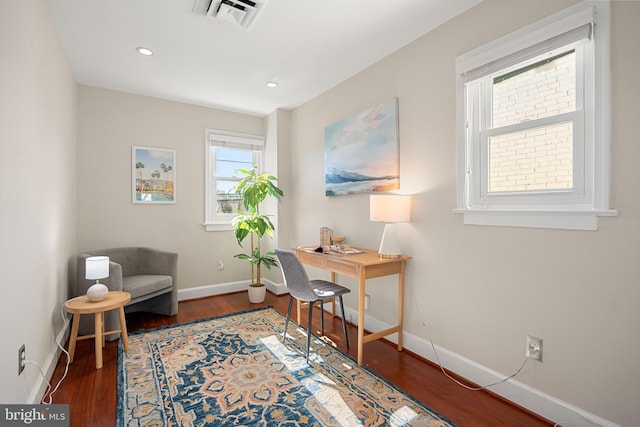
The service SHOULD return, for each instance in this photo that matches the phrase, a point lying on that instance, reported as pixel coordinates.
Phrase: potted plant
(255, 188)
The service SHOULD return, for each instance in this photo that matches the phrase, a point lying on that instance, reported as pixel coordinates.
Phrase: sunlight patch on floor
(402, 416)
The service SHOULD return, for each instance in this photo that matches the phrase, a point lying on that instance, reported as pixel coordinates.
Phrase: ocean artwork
(361, 152)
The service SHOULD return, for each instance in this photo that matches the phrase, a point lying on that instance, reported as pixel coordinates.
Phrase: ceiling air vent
(241, 13)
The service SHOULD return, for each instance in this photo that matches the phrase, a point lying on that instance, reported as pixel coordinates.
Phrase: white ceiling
(307, 46)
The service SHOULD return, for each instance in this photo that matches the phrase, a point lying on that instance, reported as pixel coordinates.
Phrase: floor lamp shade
(96, 268)
(390, 209)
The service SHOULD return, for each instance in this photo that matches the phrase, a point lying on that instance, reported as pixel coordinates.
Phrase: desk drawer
(311, 259)
(339, 267)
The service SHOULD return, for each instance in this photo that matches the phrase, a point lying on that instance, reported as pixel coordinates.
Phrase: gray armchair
(149, 275)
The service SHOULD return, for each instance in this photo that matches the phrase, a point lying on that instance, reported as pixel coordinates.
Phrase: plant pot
(257, 294)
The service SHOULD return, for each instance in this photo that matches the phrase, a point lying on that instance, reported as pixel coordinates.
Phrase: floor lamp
(390, 209)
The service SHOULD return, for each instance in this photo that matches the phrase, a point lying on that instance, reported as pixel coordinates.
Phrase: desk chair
(310, 291)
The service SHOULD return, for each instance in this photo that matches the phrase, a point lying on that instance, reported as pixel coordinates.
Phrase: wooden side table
(82, 305)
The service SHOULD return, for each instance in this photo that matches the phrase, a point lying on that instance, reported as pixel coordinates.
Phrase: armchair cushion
(146, 284)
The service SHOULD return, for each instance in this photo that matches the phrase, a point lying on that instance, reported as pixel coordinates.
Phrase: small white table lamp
(390, 209)
(96, 268)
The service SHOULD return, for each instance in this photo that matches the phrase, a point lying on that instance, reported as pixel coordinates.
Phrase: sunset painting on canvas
(361, 152)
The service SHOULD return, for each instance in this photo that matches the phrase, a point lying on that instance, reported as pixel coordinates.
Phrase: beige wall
(478, 291)
(109, 124)
(37, 192)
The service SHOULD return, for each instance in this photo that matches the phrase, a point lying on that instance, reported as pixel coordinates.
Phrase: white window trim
(221, 138)
(579, 215)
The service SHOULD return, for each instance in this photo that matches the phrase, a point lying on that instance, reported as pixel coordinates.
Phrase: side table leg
(123, 329)
(98, 338)
(74, 336)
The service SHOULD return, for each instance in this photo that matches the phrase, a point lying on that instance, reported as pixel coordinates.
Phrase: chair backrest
(295, 276)
(126, 256)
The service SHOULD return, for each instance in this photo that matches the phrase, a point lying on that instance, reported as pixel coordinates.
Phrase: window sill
(217, 226)
(554, 219)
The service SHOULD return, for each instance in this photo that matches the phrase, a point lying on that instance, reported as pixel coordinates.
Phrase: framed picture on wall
(153, 175)
(361, 152)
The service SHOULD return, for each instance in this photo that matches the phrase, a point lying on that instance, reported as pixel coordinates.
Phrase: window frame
(580, 207)
(215, 139)
(479, 140)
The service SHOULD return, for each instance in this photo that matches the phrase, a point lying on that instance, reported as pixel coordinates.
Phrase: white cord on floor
(479, 388)
(48, 393)
(483, 387)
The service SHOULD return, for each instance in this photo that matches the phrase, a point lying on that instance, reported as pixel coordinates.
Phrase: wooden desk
(362, 267)
(82, 305)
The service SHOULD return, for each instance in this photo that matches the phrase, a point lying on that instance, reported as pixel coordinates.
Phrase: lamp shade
(390, 208)
(97, 267)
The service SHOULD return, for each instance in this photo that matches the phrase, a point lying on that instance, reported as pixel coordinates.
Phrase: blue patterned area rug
(235, 371)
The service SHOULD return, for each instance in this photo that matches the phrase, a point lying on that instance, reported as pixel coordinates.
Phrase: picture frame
(362, 152)
(153, 175)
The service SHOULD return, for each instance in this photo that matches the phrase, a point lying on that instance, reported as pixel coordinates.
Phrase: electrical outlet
(534, 348)
(21, 358)
(367, 301)
(220, 264)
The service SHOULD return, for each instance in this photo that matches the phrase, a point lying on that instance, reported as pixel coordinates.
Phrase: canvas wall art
(153, 174)
(361, 152)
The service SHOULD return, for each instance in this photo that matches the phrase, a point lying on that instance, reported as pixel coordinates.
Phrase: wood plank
(377, 335)
(92, 393)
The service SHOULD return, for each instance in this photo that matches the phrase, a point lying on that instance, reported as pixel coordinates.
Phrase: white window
(227, 152)
(533, 124)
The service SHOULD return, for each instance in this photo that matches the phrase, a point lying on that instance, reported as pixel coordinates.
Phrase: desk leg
(400, 304)
(333, 300)
(74, 336)
(99, 320)
(361, 294)
(123, 329)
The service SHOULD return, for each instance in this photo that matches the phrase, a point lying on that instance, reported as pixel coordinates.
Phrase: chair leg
(286, 322)
(344, 322)
(309, 328)
(322, 315)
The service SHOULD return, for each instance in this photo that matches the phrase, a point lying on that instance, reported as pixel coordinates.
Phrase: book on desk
(334, 250)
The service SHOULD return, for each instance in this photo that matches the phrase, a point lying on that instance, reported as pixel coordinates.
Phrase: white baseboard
(226, 288)
(514, 391)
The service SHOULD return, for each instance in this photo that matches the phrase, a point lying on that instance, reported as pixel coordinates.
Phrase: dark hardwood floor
(91, 393)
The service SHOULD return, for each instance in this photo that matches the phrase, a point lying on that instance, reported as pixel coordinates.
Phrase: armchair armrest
(114, 281)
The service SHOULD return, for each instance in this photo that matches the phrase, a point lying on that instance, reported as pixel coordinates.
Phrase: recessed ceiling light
(272, 84)
(144, 51)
